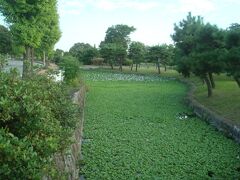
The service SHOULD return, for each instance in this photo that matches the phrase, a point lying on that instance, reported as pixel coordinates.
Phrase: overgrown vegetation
(132, 130)
(70, 67)
(84, 52)
(224, 102)
(204, 49)
(34, 26)
(37, 119)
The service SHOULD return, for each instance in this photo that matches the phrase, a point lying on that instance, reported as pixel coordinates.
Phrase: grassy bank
(225, 100)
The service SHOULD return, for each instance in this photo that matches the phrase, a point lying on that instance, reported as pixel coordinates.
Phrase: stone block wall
(222, 124)
(67, 163)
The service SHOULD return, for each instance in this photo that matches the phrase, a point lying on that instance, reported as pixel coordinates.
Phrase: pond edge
(220, 123)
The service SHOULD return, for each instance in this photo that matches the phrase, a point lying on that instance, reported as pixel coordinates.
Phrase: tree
(58, 55)
(158, 55)
(17, 50)
(119, 36)
(170, 55)
(184, 39)
(84, 52)
(27, 21)
(166, 53)
(199, 47)
(70, 65)
(52, 32)
(107, 51)
(206, 55)
(232, 57)
(5, 40)
(137, 52)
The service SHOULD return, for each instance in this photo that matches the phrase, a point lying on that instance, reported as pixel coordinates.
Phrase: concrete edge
(211, 117)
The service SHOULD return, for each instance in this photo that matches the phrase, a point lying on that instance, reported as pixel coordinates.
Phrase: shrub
(3, 61)
(37, 119)
(128, 62)
(97, 61)
(70, 65)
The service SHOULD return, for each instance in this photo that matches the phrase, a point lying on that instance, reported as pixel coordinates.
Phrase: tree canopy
(185, 42)
(5, 40)
(137, 52)
(160, 55)
(29, 22)
(84, 52)
(199, 48)
(117, 37)
(232, 57)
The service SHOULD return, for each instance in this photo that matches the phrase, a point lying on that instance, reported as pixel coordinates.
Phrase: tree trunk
(203, 81)
(120, 64)
(165, 68)
(238, 81)
(158, 67)
(44, 58)
(47, 62)
(131, 66)
(111, 66)
(26, 63)
(209, 86)
(136, 67)
(32, 59)
(211, 80)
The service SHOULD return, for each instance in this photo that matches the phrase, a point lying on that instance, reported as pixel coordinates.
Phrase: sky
(87, 20)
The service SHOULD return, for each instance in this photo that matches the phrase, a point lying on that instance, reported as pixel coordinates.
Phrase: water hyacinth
(137, 127)
(106, 76)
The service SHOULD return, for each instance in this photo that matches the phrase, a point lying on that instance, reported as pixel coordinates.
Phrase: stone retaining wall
(221, 123)
(67, 163)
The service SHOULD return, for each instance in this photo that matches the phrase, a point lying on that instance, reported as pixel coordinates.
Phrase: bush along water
(70, 66)
(37, 119)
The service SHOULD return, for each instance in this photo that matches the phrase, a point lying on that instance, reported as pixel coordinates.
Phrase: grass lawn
(225, 100)
(132, 131)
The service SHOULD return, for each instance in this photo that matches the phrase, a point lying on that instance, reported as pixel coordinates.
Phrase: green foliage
(3, 61)
(5, 40)
(232, 57)
(26, 20)
(33, 24)
(70, 66)
(84, 52)
(37, 119)
(200, 48)
(51, 31)
(233, 63)
(107, 51)
(97, 61)
(119, 34)
(185, 42)
(162, 52)
(233, 36)
(114, 47)
(137, 52)
(132, 132)
(209, 47)
(17, 50)
(58, 56)
(128, 62)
